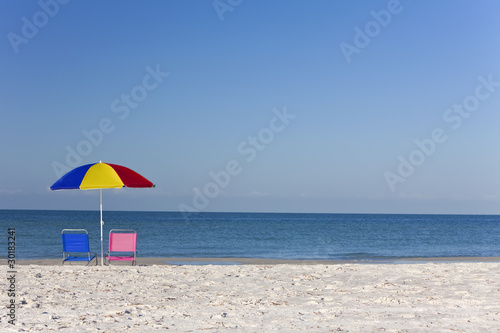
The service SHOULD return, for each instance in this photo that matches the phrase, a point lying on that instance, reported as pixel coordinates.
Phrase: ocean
(362, 237)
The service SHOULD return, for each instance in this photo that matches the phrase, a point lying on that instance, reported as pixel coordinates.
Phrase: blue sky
(296, 106)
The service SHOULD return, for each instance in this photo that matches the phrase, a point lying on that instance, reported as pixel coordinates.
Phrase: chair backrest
(75, 242)
(122, 241)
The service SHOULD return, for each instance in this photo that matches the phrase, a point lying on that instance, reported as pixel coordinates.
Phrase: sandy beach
(414, 297)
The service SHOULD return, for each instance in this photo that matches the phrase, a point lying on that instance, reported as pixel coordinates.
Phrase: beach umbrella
(99, 176)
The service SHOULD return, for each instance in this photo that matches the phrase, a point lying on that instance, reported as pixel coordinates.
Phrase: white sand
(424, 297)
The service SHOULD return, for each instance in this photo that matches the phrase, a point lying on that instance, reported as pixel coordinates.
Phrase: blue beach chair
(76, 246)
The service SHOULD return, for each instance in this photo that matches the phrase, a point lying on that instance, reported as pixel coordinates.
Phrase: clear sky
(254, 106)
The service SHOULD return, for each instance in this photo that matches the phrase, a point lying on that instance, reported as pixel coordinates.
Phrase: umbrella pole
(101, 227)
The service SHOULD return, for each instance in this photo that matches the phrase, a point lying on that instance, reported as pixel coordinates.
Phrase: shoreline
(175, 261)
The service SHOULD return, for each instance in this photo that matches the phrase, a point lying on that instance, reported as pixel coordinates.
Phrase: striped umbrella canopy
(98, 176)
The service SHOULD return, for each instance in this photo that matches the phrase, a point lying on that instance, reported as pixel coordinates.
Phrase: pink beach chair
(122, 245)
